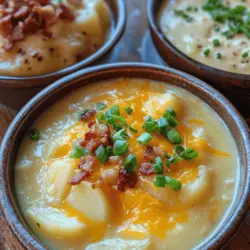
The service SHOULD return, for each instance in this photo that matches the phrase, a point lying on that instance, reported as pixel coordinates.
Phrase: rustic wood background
(128, 49)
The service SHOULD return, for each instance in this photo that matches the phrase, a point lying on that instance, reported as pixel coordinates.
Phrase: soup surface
(215, 33)
(126, 164)
(40, 37)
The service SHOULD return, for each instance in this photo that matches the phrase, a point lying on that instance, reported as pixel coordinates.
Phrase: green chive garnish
(163, 125)
(120, 147)
(145, 138)
(120, 135)
(133, 129)
(169, 112)
(78, 152)
(128, 110)
(244, 55)
(206, 52)
(160, 181)
(150, 124)
(101, 154)
(174, 136)
(158, 166)
(34, 134)
(216, 42)
(173, 183)
(130, 163)
(218, 56)
(189, 154)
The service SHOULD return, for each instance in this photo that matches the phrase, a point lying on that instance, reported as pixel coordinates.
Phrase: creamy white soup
(126, 164)
(216, 33)
(40, 37)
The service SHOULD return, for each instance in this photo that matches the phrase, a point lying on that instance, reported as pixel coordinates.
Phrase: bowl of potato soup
(125, 156)
(209, 39)
(41, 41)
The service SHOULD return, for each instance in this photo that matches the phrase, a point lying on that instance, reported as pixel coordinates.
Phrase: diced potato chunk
(159, 103)
(59, 174)
(166, 194)
(119, 244)
(91, 202)
(54, 222)
(198, 190)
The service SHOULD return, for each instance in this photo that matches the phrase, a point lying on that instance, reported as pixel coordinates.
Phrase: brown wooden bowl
(62, 87)
(235, 86)
(21, 89)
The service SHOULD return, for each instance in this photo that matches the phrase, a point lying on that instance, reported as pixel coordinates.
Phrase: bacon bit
(126, 180)
(158, 151)
(89, 135)
(31, 16)
(66, 13)
(91, 124)
(104, 134)
(146, 169)
(149, 153)
(92, 145)
(89, 114)
(79, 177)
(116, 160)
(75, 2)
(86, 162)
(152, 152)
(110, 176)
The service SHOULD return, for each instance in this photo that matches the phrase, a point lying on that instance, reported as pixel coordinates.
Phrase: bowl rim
(37, 80)
(154, 26)
(7, 203)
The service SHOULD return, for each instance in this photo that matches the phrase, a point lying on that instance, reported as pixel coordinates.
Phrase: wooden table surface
(128, 49)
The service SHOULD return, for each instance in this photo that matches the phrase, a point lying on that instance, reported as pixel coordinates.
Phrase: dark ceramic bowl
(62, 87)
(16, 91)
(235, 86)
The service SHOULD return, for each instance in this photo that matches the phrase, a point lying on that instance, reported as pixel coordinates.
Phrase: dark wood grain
(127, 50)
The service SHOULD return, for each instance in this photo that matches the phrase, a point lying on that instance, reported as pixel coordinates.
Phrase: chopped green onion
(109, 150)
(114, 110)
(218, 56)
(150, 124)
(173, 183)
(128, 110)
(179, 149)
(216, 42)
(174, 159)
(167, 156)
(115, 118)
(130, 163)
(244, 55)
(158, 166)
(174, 136)
(100, 106)
(120, 147)
(34, 134)
(169, 112)
(217, 28)
(206, 52)
(145, 138)
(78, 152)
(189, 154)
(163, 125)
(101, 118)
(101, 154)
(117, 127)
(172, 121)
(133, 129)
(160, 181)
(120, 135)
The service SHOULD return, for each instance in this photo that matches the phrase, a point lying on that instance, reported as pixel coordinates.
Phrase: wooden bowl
(235, 86)
(16, 91)
(62, 87)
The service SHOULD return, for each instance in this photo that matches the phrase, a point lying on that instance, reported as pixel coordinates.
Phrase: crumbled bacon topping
(88, 115)
(126, 179)
(146, 169)
(79, 177)
(152, 152)
(86, 162)
(20, 18)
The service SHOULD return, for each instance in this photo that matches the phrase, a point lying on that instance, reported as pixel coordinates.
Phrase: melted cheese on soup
(71, 42)
(100, 210)
(198, 30)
